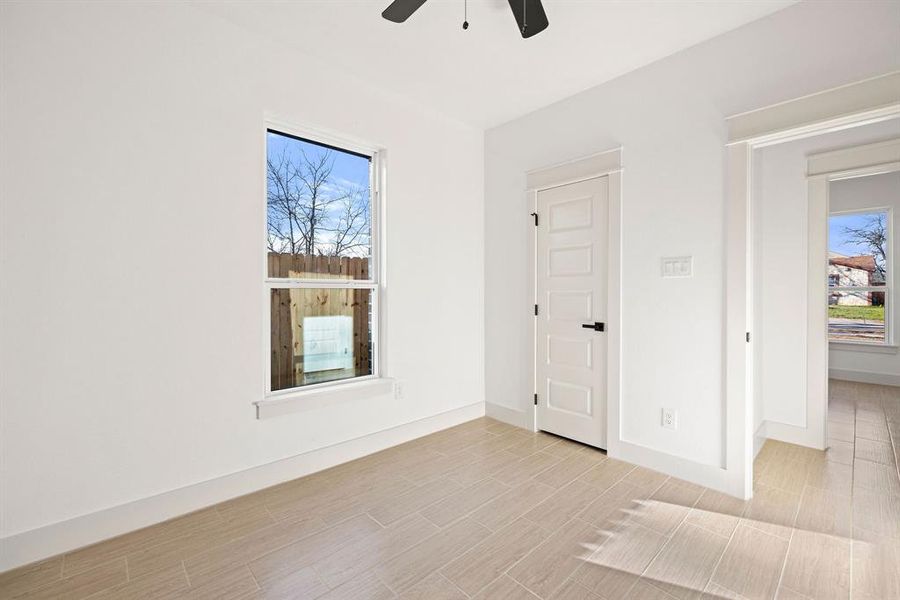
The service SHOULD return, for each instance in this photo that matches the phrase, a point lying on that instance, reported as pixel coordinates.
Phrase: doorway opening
(823, 284)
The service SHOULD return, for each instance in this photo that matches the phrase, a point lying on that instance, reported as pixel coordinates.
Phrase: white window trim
(319, 395)
(887, 288)
(278, 402)
(843, 345)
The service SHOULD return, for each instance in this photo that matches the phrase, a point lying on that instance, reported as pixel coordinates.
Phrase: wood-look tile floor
(488, 511)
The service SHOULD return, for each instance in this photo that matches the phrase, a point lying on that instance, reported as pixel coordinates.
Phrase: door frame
(822, 169)
(860, 103)
(603, 164)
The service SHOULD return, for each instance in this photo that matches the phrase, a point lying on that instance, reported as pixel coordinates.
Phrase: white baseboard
(864, 377)
(710, 476)
(50, 540)
(791, 434)
(759, 438)
(519, 418)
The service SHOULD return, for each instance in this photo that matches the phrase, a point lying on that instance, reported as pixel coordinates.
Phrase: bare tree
(314, 174)
(309, 212)
(284, 205)
(351, 224)
(872, 236)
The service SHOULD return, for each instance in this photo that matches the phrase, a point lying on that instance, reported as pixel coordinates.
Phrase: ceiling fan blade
(530, 16)
(401, 10)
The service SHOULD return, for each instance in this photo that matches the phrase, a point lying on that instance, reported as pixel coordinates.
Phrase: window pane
(319, 334)
(318, 210)
(857, 249)
(856, 316)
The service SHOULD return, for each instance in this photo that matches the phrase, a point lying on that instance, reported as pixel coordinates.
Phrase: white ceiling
(488, 74)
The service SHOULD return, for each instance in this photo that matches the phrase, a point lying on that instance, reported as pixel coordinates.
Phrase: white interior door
(571, 286)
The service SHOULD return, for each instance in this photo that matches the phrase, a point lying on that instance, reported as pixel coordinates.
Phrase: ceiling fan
(529, 14)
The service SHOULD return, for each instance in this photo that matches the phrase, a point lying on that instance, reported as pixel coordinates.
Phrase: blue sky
(342, 223)
(348, 168)
(837, 241)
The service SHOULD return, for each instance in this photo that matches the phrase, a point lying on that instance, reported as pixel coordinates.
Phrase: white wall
(131, 229)
(780, 258)
(669, 118)
(859, 194)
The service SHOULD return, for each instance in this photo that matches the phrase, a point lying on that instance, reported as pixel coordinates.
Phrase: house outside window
(858, 277)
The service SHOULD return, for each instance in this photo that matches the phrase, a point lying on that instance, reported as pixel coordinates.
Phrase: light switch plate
(677, 266)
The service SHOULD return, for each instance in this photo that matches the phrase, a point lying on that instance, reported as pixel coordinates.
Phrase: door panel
(568, 351)
(571, 260)
(575, 305)
(571, 282)
(569, 397)
(572, 214)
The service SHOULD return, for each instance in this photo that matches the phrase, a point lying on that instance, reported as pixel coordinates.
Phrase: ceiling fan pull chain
(524, 16)
(400, 10)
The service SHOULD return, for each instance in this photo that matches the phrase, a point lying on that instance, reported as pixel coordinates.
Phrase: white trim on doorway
(603, 164)
(822, 169)
(852, 105)
(573, 171)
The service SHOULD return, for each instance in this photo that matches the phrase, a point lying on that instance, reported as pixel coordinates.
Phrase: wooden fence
(290, 306)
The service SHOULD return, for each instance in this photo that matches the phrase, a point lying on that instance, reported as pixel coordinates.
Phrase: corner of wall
(518, 418)
(759, 438)
(38, 544)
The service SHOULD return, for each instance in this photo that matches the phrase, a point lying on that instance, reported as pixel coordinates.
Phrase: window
(321, 259)
(858, 277)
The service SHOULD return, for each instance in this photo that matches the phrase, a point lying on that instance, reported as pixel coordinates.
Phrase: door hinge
(535, 215)
(535, 399)
(748, 336)
(535, 310)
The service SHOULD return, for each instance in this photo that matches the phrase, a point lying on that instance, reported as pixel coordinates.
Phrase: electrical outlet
(669, 418)
(398, 389)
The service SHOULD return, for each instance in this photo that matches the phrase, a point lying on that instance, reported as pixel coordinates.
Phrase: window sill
(321, 396)
(864, 347)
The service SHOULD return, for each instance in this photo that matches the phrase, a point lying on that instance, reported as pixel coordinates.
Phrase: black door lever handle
(594, 326)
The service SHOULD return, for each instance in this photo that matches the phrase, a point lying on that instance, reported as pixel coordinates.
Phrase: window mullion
(353, 284)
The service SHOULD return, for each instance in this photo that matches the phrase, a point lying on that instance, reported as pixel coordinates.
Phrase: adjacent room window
(321, 258)
(858, 277)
